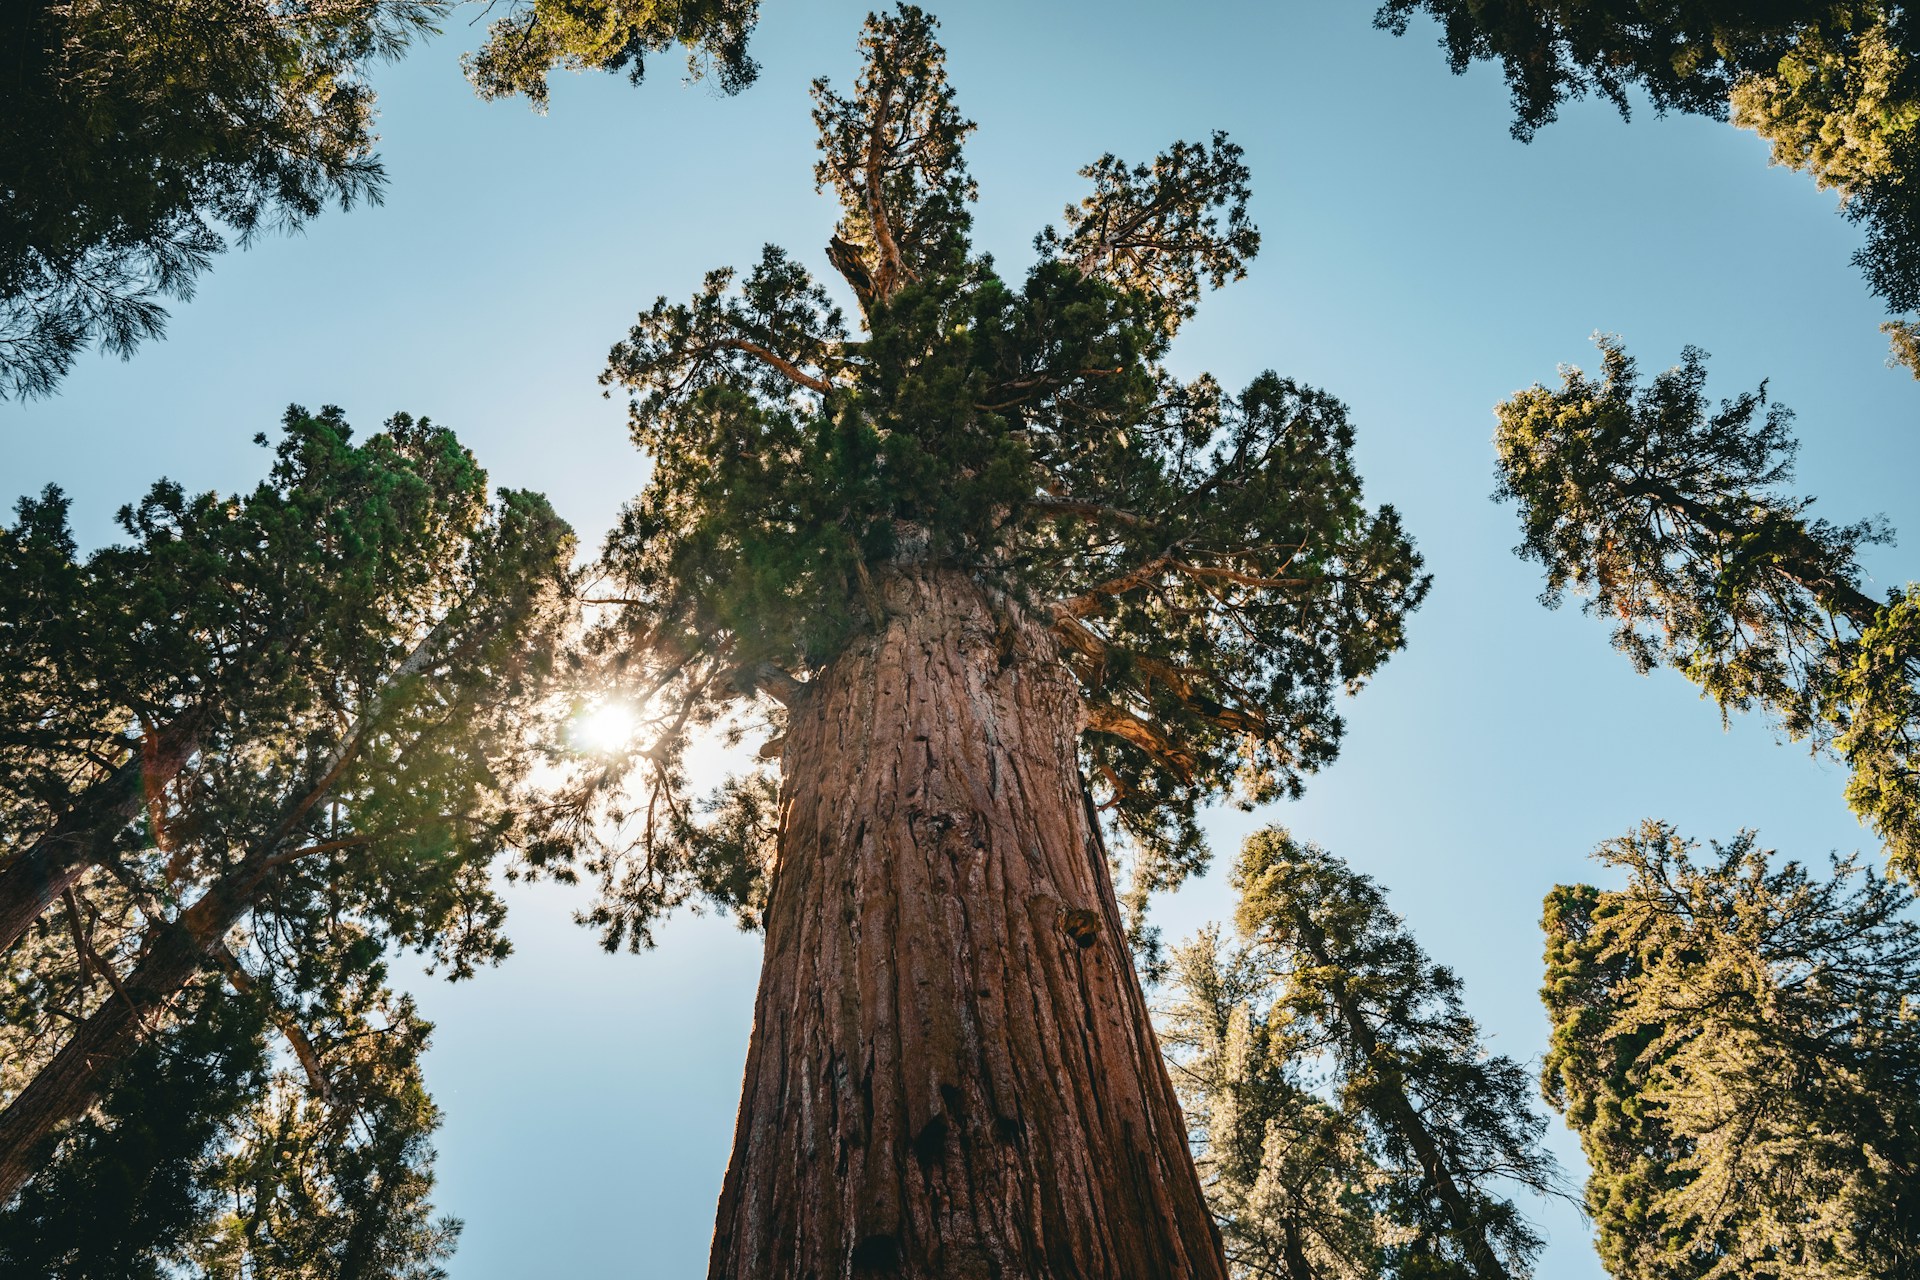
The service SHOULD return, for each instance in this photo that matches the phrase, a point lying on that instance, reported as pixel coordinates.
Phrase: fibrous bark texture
(952, 1071)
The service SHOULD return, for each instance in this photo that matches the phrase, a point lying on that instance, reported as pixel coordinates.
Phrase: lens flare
(606, 729)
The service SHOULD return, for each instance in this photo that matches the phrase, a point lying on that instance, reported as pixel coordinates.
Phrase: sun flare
(605, 729)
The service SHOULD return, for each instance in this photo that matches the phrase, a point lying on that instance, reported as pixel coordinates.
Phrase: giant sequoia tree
(1668, 515)
(248, 751)
(1734, 1041)
(1832, 85)
(999, 580)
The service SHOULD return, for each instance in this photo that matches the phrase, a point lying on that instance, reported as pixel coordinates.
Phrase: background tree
(211, 1154)
(1734, 1043)
(962, 552)
(365, 645)
(1287, 1173)
(1329, 1024)
(137, 135)
(1833, 85)
(537, 36)
(1667, 515)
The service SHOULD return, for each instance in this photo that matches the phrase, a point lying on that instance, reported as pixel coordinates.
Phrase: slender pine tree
(1351, 1119)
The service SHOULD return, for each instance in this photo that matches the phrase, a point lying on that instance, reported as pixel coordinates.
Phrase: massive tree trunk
(952, 1071)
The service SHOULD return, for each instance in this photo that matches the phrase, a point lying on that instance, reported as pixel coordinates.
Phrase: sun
(605, 729)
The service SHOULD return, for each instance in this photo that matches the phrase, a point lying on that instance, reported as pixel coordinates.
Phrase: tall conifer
(1669, 515)
(349, 666)
(1734, 1041)
(997, 578)
(1350, 1119)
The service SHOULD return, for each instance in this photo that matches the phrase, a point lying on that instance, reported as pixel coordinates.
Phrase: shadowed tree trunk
(74, 1078)
(1388, 1094)
(33, 879)
(952, 1071)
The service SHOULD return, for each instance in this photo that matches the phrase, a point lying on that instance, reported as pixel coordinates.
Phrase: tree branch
(1091, 511)
(1081, 605)
(296, 1036)
(1132, 729)
(793, 372)
(775, 683)
(892, 269)
(1039, 382)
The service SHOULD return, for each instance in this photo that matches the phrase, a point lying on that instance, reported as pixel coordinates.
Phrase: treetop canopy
(1204, 557)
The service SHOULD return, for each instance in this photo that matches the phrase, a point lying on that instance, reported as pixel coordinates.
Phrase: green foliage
(1904, 337)
(44, 755)
(537, 36)
(137, 131)
(1668, 517)
(1348, 1119)
(1205, 558)
(353, 663)
(125, 1193)
(1287, 1174)
(210, 1157)
(1154, 230)
(1684, 57)
(327, 1175)
(1833, 85)
(1735, 1044)
(139, 135)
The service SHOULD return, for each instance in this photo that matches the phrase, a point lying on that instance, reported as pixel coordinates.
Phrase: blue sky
(1418, 263)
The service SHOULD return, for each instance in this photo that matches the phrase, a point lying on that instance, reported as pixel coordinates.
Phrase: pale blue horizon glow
(1418, 263)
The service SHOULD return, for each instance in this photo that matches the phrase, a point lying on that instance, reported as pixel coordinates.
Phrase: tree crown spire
(1205, 559)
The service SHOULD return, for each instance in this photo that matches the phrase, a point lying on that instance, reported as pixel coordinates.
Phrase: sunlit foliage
(253, 749)
(536, 37)
(1348, 1119)
(1669, 516)
(1735, 1043)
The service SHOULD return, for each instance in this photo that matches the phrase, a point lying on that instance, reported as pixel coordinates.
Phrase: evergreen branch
(1087, 601)
(777, 362)
(776, 683)
(1038, 383)
(1091, 511)
(283, 1018)
(1140, 733)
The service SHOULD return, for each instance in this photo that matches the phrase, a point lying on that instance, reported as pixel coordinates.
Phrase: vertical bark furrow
(945, 1079)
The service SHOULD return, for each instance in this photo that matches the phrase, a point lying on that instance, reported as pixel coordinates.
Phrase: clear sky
(1418, 263)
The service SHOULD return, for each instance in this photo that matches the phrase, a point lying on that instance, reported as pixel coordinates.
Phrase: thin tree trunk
(35, 877)
(32, 880)
(1390, 1093)
(71, 1081)
(952, 1073)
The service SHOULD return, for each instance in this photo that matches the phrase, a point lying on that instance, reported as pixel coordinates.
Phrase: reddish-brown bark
(32, 879)
(952, 1072)
(73, 1079)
